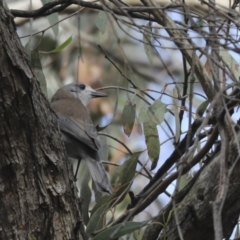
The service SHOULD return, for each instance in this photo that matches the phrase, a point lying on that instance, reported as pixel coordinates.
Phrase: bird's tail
(99, 175)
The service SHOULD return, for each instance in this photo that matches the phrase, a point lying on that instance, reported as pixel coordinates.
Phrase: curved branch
(51, 7)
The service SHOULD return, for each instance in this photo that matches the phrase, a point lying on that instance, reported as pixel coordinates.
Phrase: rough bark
(37, 197)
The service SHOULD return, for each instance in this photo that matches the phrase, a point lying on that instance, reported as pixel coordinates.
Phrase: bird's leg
(75, 175)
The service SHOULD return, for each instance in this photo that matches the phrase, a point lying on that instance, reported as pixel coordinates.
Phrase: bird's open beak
(96, 94)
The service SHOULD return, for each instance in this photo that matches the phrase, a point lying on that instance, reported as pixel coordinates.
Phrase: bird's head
(83, 92)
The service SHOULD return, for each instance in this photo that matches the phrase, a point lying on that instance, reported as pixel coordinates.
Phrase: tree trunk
(37, 194)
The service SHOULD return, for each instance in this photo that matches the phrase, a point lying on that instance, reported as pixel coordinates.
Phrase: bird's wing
(84, 131)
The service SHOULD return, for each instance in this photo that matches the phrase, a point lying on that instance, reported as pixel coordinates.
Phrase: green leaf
(37, 66)
(148, 41)
(86, 195)
(152, 142)
(143, 115)
(52, 19)
(97, 220)
(121, 180)
(176, 115)
(102, 21)
(119, 230)
(103, 151)
(128, 117)
(202, 108)
(103, 201)
(231, 62)
(60, 47)
(124, 174)
(184, 178)
(153, 113)
(183, 182)
(201, 23)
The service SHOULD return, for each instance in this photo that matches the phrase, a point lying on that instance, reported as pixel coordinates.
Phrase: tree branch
(51, 7)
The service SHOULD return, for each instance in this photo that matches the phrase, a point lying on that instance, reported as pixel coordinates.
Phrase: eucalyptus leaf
(97, 220)
(152, 142)
(128, 117)
(124, 174)
(102, 21)
(103, 201)
(184, 178)
(148, 41)
(60, 47)
(119, 230)
(52, 19)
(231, 62)
(183, 182)
(103, 151)
(121, 180)
(86, 195)
(202, 108)
(154, 113)
(176, 115)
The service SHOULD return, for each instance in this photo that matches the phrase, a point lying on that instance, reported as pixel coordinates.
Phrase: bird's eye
(82, 86)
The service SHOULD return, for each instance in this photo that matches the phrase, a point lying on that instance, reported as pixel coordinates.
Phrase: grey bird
(78, 132)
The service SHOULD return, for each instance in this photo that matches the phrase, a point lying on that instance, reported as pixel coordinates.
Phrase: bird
(78, 132)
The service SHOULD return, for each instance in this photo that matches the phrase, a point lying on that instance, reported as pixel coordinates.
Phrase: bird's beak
(96, 94)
